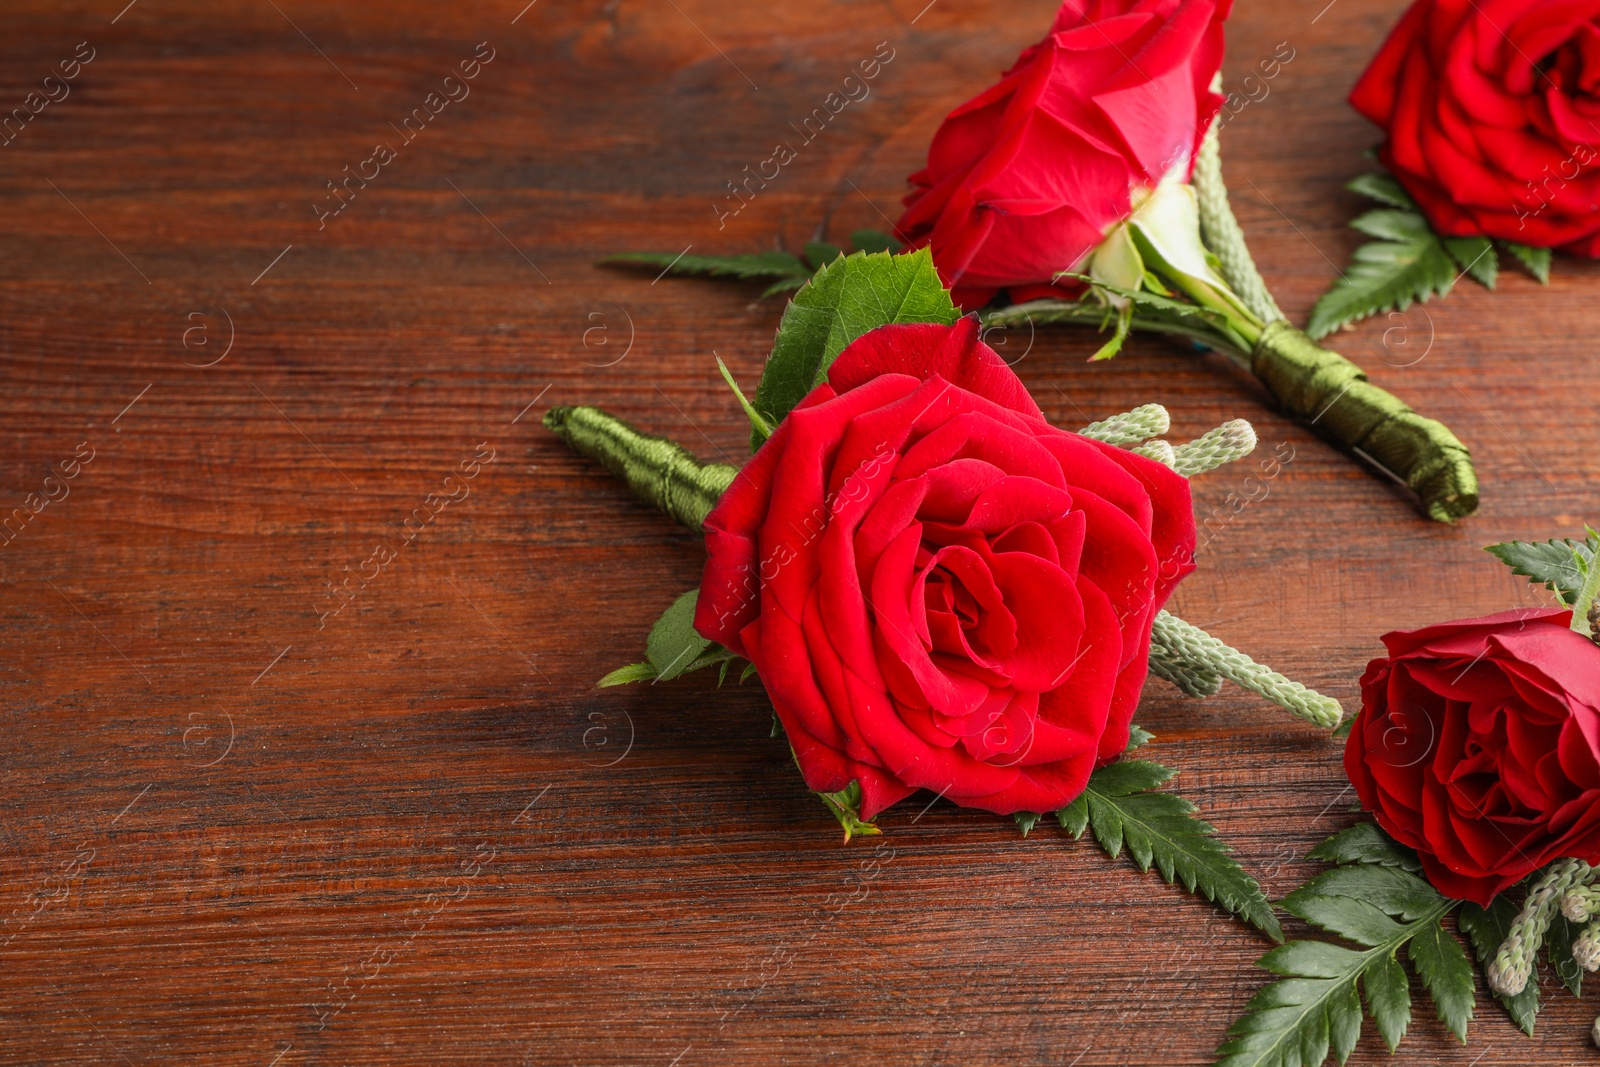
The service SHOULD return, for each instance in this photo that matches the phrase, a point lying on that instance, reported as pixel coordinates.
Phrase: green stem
(1324, 387)
(1334, 395)
(659, 471)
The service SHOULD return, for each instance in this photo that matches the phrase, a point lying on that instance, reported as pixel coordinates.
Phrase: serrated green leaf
(1365, 843)
(873, 241)
(1535, 260)
(1026, 820)
(1160, 830)
(820, 252)
(1446, 974)
(1355, 920)
(1292, 1023)
(1475, 256)
(846, 298)
(1393, 891)
(786, 285)
(760, 265)
(1558, 950)
(1388, 998)
(1074, 818)
(1407, 263)
(744, 675)
(1137, 735)
(846, 807)
(1486, 928)
(1384, 188)
(1361, 900)
(674, 644)
(1130, 776)
(1558, 565)
(1313, 959)
(633, 672)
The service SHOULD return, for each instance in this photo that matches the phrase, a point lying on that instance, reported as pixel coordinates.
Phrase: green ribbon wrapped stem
(657, 470)
(1333, 394)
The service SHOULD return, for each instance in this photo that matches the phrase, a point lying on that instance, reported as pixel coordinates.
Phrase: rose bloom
(1492, 113)
(938, 588)
(1026, 178)
(1478, 745)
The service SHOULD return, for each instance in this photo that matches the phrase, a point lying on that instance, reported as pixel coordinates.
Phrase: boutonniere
(1477, 754)
(1086, 187)
(1490, 133)
(940, 591)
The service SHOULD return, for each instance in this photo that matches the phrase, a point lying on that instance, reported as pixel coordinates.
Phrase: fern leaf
(1407, 263)
(1160, 829)
(759, 265)
(1475, 256)
(1379, 902)
(1535, 260)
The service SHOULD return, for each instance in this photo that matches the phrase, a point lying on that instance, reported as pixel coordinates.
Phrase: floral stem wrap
(660, 472)
(1334, 395)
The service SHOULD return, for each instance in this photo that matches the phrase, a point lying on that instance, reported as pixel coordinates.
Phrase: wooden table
(242, 829)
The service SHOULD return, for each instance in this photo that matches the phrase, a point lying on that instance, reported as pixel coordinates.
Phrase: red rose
(939, 589)
(1025, 179)
(1493, 112)
(1478, 745)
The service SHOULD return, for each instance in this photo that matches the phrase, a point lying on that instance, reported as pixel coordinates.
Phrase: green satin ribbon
(1334, 396)
(657, 470)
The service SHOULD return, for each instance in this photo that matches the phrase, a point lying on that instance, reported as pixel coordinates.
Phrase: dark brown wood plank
(412, 833)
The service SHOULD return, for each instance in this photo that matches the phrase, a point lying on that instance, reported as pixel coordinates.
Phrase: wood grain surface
(241, 830)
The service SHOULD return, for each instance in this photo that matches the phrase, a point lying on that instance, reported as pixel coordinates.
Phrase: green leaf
(1408, 262)
(1074, 818)
(785, 285)
(1355, 920)
(633, 672)
(1161, 829)
(1559, 565)
(1376, 899)
(844, 300)
(746, 674)
(1446, 974)
(1026, 820)
(1392, 890)
(644, 672)
(1388, 998)
(874, 241)
(758, 425)
(1384, 188)
(1124, 320)
(1475, 256)
(1536, 260)
(759, 265)
(1365, 843)
(1486, 928)
(1292, 1023)
(1137, 735)
(1558, 949)
(821, 252)
(674, 644)
(846, 807)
